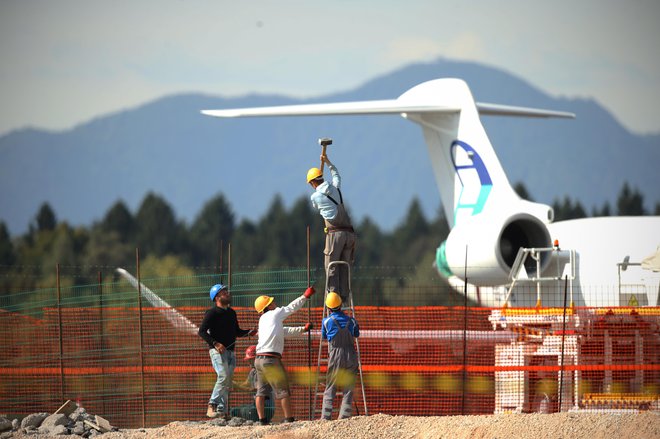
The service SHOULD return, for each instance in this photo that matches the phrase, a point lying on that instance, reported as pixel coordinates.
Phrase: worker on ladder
(340, 236)
(340, 330)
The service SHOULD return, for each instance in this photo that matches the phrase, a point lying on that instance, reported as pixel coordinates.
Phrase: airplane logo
(475, 180)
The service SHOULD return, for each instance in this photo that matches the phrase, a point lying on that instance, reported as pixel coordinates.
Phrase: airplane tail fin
(469, 175)
(475, 192)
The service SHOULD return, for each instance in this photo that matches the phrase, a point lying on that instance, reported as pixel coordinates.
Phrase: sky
(66, 62)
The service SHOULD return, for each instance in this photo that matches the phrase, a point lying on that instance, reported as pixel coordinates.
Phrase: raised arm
(336, 179)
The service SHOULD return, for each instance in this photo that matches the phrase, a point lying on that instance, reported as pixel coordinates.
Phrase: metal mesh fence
(109, 348)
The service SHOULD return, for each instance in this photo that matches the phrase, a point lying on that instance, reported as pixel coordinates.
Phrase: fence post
(309, 333)
(465, 306)
(139, 297)
(102, 344)
(60, 335)
(229, 266)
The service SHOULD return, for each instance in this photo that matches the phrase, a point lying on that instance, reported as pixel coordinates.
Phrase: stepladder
(343, 387)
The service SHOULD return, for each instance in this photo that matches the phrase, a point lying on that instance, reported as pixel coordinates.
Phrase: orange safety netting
(134, 367)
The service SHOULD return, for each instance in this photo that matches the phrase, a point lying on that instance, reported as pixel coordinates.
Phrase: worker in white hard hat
(340, 330)
(340, 237)
(271, 375)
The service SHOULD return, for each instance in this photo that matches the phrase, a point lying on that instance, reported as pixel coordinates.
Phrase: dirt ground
(572, 425)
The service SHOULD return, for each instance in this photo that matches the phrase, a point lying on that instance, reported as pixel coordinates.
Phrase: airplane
(501, 249)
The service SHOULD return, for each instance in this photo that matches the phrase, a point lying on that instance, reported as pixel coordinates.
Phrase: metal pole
(220, 250)
(59, 329)
(563, 338)
(309, 334)
(537, 256)
(139, 297)
(229, 266)
(465, 303)
(101, 331)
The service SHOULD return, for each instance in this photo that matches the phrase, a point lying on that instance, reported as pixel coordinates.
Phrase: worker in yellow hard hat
(340, 236)
(271, 375)
(340, 330)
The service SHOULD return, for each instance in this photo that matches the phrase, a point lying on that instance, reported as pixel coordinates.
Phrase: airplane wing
(508, 110)
(178, 320)
(391, 106)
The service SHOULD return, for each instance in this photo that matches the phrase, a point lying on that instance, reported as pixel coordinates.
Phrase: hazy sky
(67, 61)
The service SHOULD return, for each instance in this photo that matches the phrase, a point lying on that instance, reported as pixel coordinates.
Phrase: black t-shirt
(221, 325)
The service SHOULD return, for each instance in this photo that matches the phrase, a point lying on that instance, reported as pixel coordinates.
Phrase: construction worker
(271, 375)
(249, 411)
(219, 329)
(340, 236)
(340, 330)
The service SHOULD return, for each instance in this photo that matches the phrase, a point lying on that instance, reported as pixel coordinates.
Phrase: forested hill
(168, 148)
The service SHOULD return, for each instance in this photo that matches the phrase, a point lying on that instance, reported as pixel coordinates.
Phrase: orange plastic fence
(416, 361)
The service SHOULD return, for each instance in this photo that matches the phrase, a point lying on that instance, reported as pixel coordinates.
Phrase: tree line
(170, 247)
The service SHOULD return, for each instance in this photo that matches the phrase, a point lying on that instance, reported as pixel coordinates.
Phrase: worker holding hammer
(340, 236)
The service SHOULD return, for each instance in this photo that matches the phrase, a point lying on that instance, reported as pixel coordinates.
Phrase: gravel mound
(573, 425)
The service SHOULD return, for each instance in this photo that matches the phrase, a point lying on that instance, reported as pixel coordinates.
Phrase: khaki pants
(271, 376)
(339, 246)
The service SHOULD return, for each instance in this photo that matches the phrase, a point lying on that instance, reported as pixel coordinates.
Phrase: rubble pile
(70, 419)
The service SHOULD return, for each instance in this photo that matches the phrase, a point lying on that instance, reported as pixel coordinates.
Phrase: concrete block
(103, 423)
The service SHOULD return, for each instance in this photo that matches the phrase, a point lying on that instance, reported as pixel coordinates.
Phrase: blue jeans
(224, 365)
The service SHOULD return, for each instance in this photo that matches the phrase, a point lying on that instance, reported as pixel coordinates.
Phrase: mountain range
(167, 147)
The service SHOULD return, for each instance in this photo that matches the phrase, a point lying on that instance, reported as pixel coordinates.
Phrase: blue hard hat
(215, 289)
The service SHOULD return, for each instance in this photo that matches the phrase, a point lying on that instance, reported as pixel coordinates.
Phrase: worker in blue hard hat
(219, 329)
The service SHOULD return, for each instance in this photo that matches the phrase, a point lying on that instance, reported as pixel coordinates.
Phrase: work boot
(211, 412)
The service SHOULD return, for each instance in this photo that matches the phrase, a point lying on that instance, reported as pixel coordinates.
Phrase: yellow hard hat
(262, 302)
(313, 174)
(332, 300)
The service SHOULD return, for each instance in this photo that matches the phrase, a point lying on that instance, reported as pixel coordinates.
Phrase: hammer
(324, 142)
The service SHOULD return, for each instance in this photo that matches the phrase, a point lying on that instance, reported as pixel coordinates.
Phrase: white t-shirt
(271, 327)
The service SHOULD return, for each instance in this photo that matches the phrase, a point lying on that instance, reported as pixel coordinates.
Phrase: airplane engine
(491, 245)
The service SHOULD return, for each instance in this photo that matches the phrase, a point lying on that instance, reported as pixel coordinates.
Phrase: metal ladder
(323, 353)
